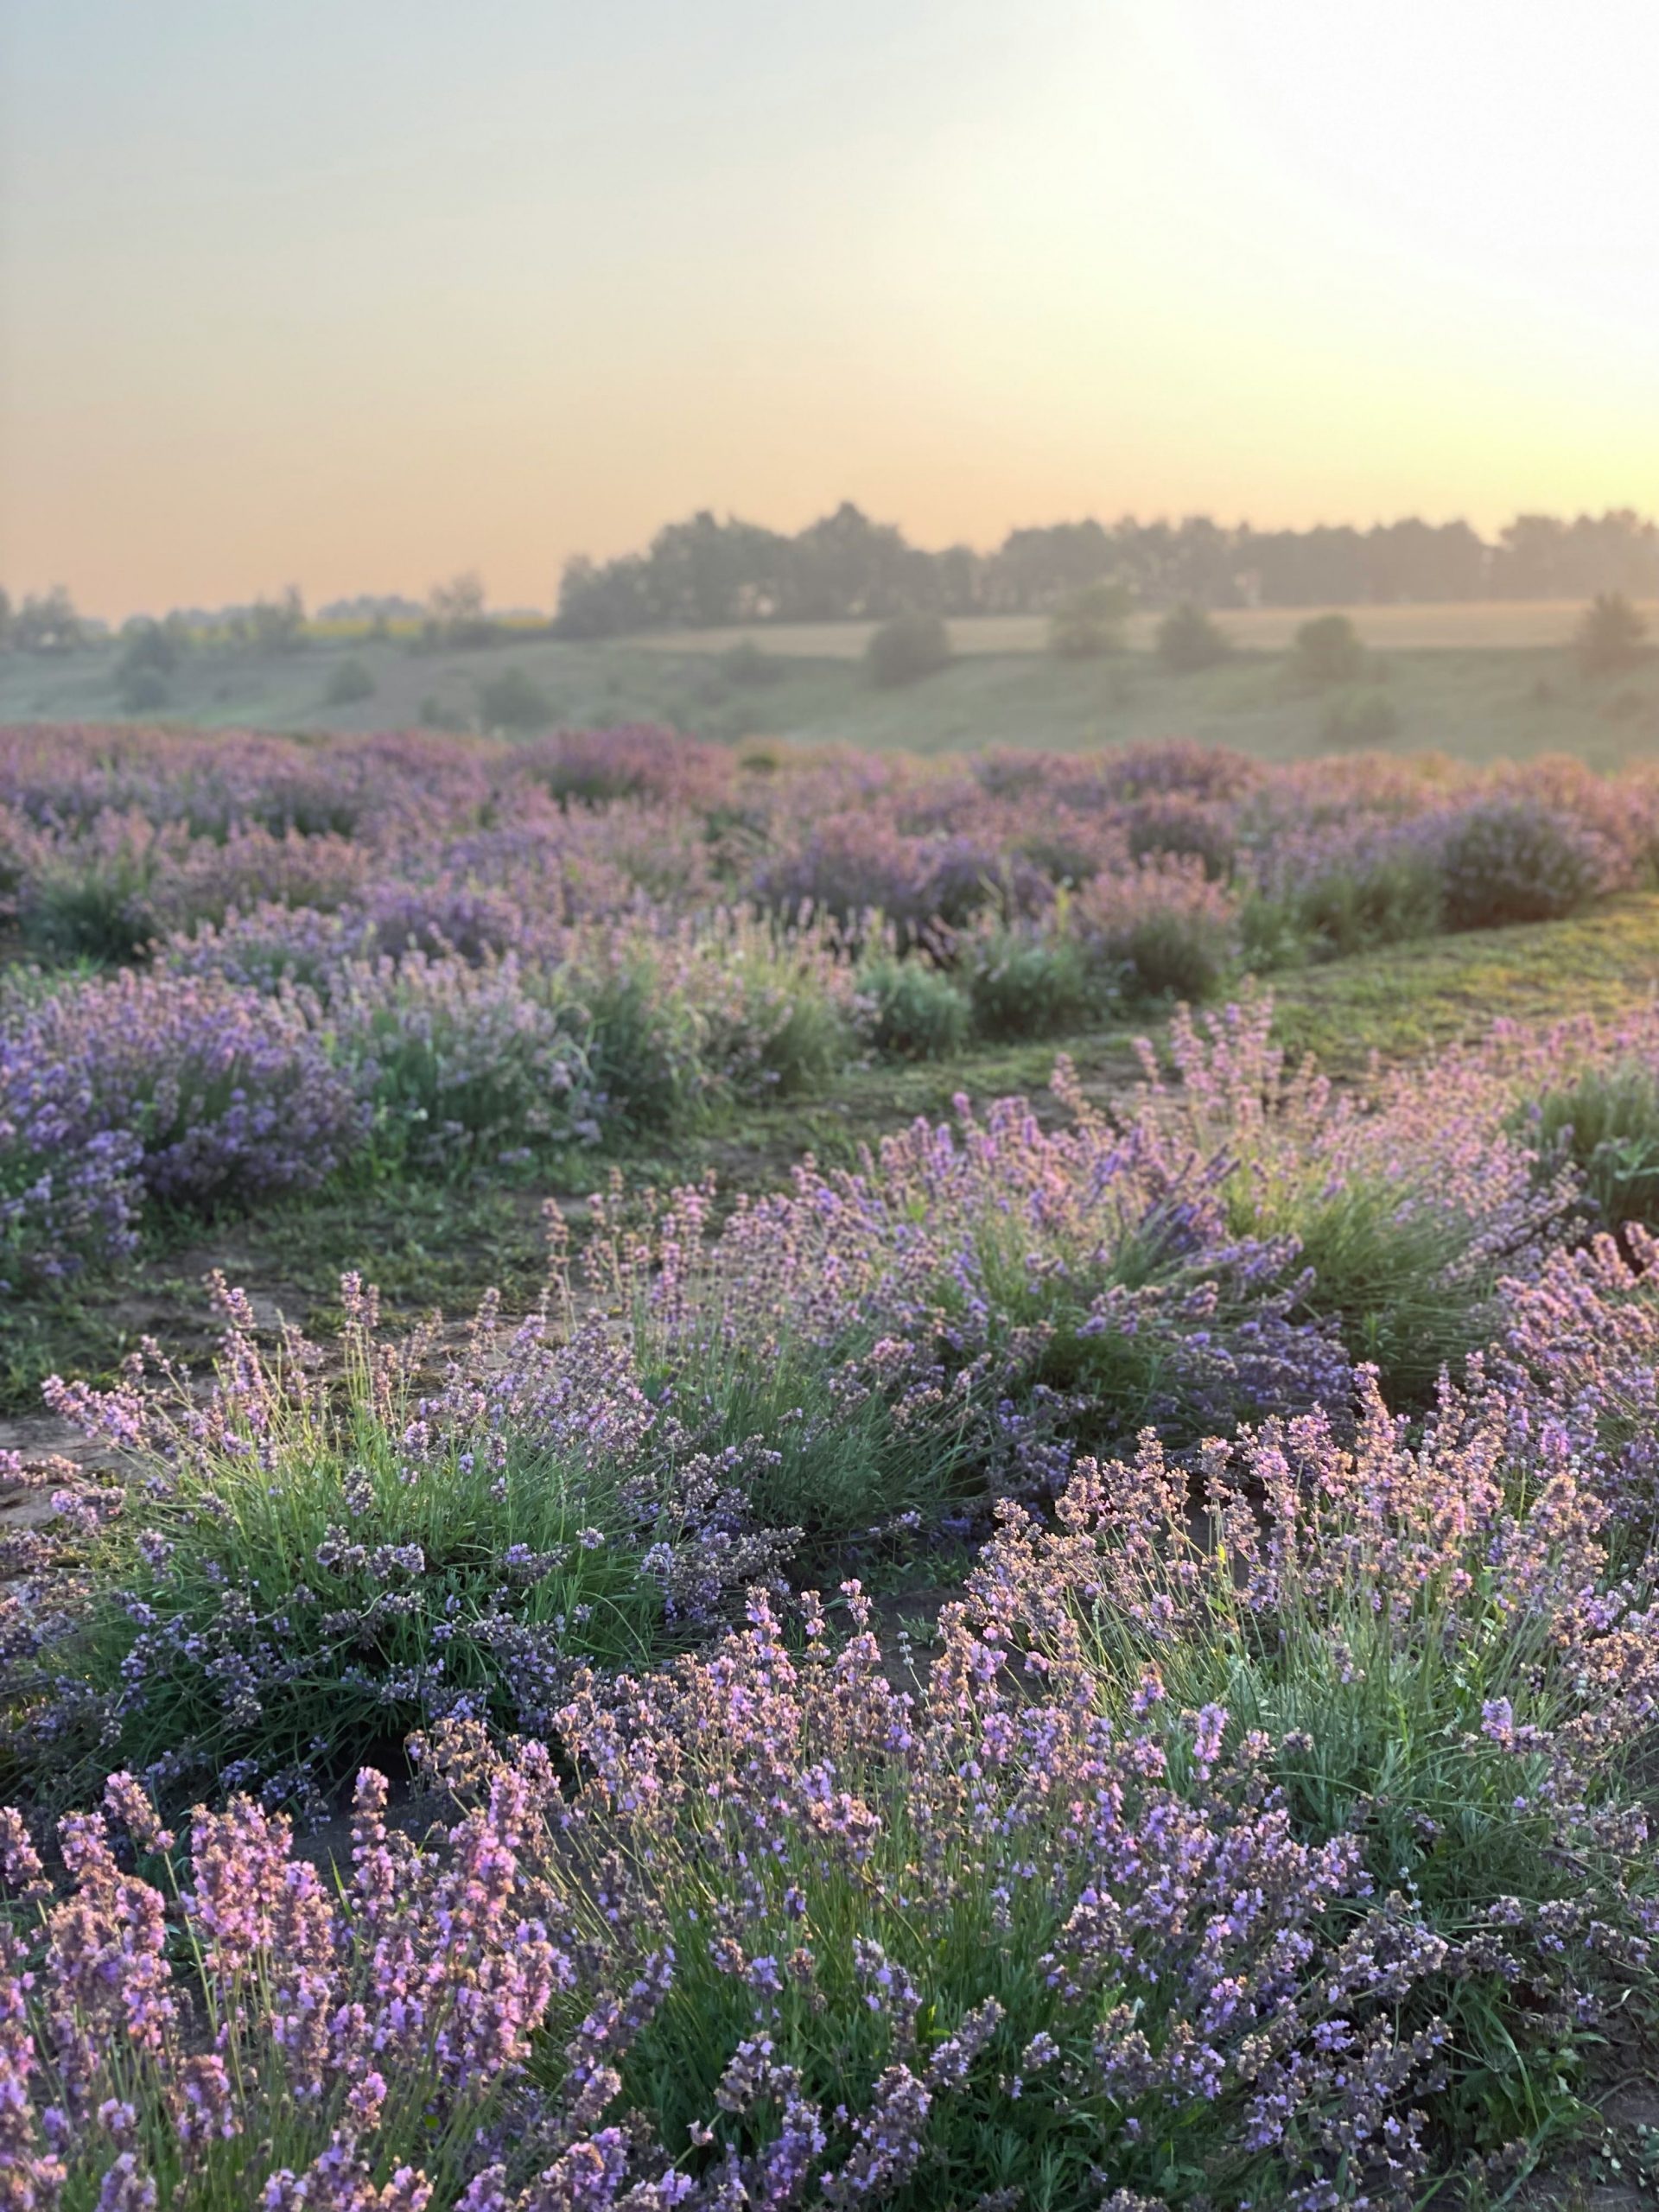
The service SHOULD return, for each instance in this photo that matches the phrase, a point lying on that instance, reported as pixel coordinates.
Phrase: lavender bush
(787, 1935)
(296, 1571)
(1446, 1666)
(186, 1091)
(458, 1064)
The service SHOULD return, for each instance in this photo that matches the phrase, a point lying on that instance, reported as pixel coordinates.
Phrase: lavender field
(1097, 1648)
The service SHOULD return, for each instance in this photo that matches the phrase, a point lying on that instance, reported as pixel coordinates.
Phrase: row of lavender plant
(216, 1080)
(1282, 1866)
(436, 955)
(110, 837)
(870, 1359)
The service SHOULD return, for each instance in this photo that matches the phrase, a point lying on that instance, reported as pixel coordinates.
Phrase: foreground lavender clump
(788, 1940)
(1275, 1866)
(293, 1570)
(765, 1930)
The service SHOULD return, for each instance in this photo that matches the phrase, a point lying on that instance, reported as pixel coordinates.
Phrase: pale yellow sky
(355, 294)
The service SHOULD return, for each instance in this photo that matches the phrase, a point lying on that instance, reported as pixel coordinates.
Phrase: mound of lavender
(293, 1569)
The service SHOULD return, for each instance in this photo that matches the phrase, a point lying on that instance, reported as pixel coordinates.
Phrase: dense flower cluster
(292, 1572)
(753, 1899)
(182, 1089)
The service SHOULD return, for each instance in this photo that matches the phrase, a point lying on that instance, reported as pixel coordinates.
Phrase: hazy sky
(356, 293)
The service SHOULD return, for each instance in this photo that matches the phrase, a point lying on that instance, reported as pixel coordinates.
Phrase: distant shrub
(1328, 651)
(1188, 640)
(89, 898)
(143, 691)
(1089, 622)
(645, 1044)
(513, 700)
(351, 682)
(1177, 764)
(907, 649)
(1366, 716)
(1609, 636)
(746, 666)
(777, 1006)
(1162, 924)
(916, 1011)
(1026, 980)
(1513, 860)
(435, 714)
(850, 864)
(633, 761)
(155, 645)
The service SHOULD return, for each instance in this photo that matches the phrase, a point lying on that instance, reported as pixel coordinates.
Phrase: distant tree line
(703, 572)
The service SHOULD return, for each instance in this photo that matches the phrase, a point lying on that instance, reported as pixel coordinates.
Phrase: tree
(278, 626)
(602, 600)
(7, 619)
(145, 644)
(1328, 651)
(48, 624)
(1189, 640)
(1609, 636)
(1090, 621)
(455, 613)
(142, 690)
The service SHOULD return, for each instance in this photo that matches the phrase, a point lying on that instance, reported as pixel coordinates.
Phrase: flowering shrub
(185, 1091)
(1578, 1361)
(1346, 887)
(1605, 1120)
(299, 1574)
(749, 1929)
(286, 2043)
(917, 1012)
(1409, 1206)
(848, 866)
(992, 1282)
(1032, 979)
(1434, 1646)
(639, 761)
(1516, 861)
(1178, 823)
(1164, 923)
(457, 1062)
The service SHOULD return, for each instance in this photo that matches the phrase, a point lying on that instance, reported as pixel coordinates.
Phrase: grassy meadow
(1478, 682)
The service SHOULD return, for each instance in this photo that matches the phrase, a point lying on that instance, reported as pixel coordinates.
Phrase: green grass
(1478, 702)
(1415, 999)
